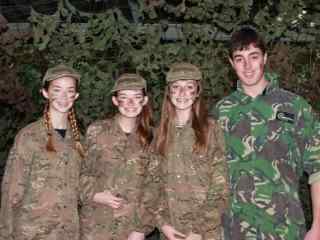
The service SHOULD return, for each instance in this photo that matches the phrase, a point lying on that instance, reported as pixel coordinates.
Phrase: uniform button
(64, 206)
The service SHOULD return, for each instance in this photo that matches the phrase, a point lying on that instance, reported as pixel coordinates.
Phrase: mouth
(63, 104)
(248, 74)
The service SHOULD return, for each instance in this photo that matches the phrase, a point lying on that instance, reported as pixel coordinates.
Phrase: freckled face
(249, 66)
(130, 102)
(61, 94)
(183, 93)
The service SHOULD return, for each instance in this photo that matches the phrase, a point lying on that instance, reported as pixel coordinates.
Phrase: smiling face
(130, 102)
(183, 93)
(61, 94)
(248, 64)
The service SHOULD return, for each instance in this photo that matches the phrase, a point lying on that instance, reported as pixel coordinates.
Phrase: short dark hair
(242, 38)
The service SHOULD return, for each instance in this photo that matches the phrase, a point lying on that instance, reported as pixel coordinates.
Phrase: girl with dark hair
(41, 181)
(192, 145)
(121, 177)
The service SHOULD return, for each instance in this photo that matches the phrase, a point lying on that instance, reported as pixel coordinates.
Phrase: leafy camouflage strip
(271, 140)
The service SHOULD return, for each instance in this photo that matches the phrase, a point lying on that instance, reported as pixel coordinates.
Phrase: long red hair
(200, 124)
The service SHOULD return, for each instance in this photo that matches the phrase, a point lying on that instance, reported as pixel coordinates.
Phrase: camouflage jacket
(40, 188)
(271, 140)
(196, 184)
(117, 163)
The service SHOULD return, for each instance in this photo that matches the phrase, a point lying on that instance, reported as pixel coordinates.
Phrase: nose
(130, 101)
(247, 64)
(64, 95)
(182, 91)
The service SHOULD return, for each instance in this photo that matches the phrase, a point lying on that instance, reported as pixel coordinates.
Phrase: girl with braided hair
(40, 189)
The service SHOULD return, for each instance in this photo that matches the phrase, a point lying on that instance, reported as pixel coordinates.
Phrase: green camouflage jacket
(40, 188)
(116, 162)
(196, 184)
(271, 140)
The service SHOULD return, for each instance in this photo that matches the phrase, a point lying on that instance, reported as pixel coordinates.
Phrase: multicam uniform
(117, 163)
(40, 188)
(196, 184)
(271, 140)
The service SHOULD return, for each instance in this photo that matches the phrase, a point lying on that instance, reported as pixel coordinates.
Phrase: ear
(76, 96)
(145, 100)
(231, 62)
(45, 93)
(265, 58)
(115, 101)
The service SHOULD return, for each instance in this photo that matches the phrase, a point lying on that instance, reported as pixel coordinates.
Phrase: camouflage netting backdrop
(103, 44)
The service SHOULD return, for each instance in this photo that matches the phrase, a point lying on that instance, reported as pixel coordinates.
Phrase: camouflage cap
(183, 71)
(129, 81)
(58, 72)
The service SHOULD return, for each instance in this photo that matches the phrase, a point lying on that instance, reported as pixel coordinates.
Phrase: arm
(13, 187)
(148, 205)
(209, 217)
(314, 232)
(310, 147)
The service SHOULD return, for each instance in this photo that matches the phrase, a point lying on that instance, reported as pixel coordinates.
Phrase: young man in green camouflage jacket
(272, 137)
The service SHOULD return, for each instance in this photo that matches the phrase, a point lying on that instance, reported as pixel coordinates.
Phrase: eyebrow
(250, 54)
(57, 86)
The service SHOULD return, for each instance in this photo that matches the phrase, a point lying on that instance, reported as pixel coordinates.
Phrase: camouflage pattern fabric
(196, 184)
(117, 162)
(271, 140)
(40, 188)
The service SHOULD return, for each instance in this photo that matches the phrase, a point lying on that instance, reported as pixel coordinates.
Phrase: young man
(272, 137)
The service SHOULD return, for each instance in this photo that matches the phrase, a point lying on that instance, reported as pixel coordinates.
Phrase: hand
(136, 236)
(171, 233)
(193, 236)
(107, 198)
(313, 234)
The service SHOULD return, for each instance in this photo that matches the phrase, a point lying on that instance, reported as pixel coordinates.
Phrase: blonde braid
(47, 123)
(75, 132)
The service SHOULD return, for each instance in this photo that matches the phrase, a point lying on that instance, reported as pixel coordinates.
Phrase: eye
(55, 90)
(138, 97)
(238, 60)
(121, 97)
(191, 87)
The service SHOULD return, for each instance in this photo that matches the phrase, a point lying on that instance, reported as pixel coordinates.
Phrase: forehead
(63, 82)
(130, 92)
(250, 49)
(184, 82)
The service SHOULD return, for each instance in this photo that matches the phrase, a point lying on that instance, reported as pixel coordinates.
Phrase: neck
(256, 90)
(127, 124)
(59, 120)
(182, 116)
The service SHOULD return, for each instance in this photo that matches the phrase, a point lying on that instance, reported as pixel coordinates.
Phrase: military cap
(183, 71)
(129, 81)
(58, 72)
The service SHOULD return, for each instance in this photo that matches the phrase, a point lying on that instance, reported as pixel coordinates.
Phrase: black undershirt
(62, 132)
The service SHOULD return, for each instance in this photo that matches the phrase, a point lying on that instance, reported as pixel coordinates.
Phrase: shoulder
(215, 128)
(227, 100)
(33, 132)
(296, 102)
(98, 126)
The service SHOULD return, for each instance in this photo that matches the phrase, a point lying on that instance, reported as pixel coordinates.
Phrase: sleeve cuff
(315, 177)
